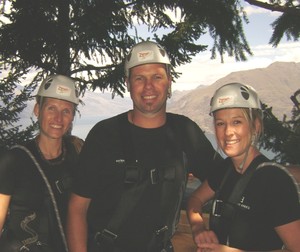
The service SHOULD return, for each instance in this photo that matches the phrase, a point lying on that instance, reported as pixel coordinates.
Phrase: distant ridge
(274, 84)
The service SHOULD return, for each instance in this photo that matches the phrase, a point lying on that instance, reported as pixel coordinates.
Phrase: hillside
(274, 84)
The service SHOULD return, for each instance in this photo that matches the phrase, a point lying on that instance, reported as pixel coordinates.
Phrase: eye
(51, 108)
(236, 122)
(219, 123)
(67, 111)
(138, 79)
(157, 77)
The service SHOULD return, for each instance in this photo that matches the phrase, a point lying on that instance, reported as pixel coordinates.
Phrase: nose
(228, 130)
(58, 116)
(148, 83)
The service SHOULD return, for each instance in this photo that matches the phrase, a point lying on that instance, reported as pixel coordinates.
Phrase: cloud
(204, 71)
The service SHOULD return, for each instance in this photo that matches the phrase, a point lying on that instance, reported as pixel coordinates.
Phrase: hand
(211, 247)
(205, 237)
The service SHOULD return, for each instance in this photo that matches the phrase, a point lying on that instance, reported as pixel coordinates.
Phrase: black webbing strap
(242, 183)
(229, 207)
(132, 191)
(171, 212)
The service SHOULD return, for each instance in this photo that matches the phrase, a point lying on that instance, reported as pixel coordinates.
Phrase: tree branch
(271, 7)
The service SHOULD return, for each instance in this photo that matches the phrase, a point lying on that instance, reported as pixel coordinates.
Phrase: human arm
(77, 224)
(288, 233)
(4, 203)
(194, 212)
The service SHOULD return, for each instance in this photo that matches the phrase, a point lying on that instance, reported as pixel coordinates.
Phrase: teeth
(231, 142)
(149, 97)
(56, 126)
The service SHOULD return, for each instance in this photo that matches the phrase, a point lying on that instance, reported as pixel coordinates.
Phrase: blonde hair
(255, 119)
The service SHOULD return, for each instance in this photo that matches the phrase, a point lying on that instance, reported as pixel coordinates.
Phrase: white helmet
(59, 87)
(144, 53)
(234, 95)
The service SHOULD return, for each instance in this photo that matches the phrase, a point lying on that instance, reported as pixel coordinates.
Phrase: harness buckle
(154, 176)
(59, 186)
(105, 235)
(163, 229)
(24, 248)
(216, 208)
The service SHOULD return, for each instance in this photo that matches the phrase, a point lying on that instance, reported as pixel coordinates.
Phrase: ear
(36, 110)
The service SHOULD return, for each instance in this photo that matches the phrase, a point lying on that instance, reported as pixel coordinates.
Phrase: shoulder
(276, 174)
(111, 122)
(182, 122)
(107, 129)
(75, 142)
(178, 118)
(11, 158)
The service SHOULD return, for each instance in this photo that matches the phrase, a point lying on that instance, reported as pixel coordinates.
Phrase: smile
(149, 97)
(56, 126)
(231, 142)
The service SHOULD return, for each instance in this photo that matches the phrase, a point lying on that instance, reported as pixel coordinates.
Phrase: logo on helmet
(225, 100)
(63, 90)
(145, 55)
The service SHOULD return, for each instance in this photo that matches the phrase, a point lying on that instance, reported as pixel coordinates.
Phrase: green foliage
(89, 39)
(282, 137)
(11, 105)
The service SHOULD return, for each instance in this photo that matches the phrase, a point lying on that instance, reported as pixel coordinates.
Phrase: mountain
(274, 84)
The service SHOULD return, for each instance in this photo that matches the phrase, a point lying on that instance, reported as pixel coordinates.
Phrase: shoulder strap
(296, 183)
(132, 190)
(242, 183)
(62, 233)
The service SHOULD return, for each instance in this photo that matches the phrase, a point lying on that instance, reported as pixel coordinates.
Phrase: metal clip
(163, 229)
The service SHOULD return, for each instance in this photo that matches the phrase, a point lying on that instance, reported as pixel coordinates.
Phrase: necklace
(55, 161)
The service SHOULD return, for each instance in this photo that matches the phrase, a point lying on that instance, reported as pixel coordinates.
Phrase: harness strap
(132, 191)
(228, 208)
(59, 222)
(296, 183)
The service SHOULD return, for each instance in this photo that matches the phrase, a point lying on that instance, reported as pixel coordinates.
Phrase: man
(133, 168)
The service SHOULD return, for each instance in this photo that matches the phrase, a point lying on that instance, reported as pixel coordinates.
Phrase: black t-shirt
(20, 178)
(101, 171)
(269, 200)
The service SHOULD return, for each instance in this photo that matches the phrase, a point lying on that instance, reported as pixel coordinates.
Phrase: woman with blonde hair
(255, 204)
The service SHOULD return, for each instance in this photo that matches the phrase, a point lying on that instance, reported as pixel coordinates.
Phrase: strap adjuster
(105, 235)
(154, 176)
(163, 229)
(108, 234)
(59, 186)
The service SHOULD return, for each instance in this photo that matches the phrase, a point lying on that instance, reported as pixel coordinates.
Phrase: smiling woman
(240, 218)
(35, 177)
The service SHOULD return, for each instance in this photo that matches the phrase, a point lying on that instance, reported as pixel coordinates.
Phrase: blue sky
(204, 71)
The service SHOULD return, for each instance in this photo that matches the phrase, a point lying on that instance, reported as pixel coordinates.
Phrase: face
(149, 86)
(232, 131)
(55, 117)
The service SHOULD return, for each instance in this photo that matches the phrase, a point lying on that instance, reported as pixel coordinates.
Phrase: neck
(50, 149)
(146, 121)
(242, 164)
